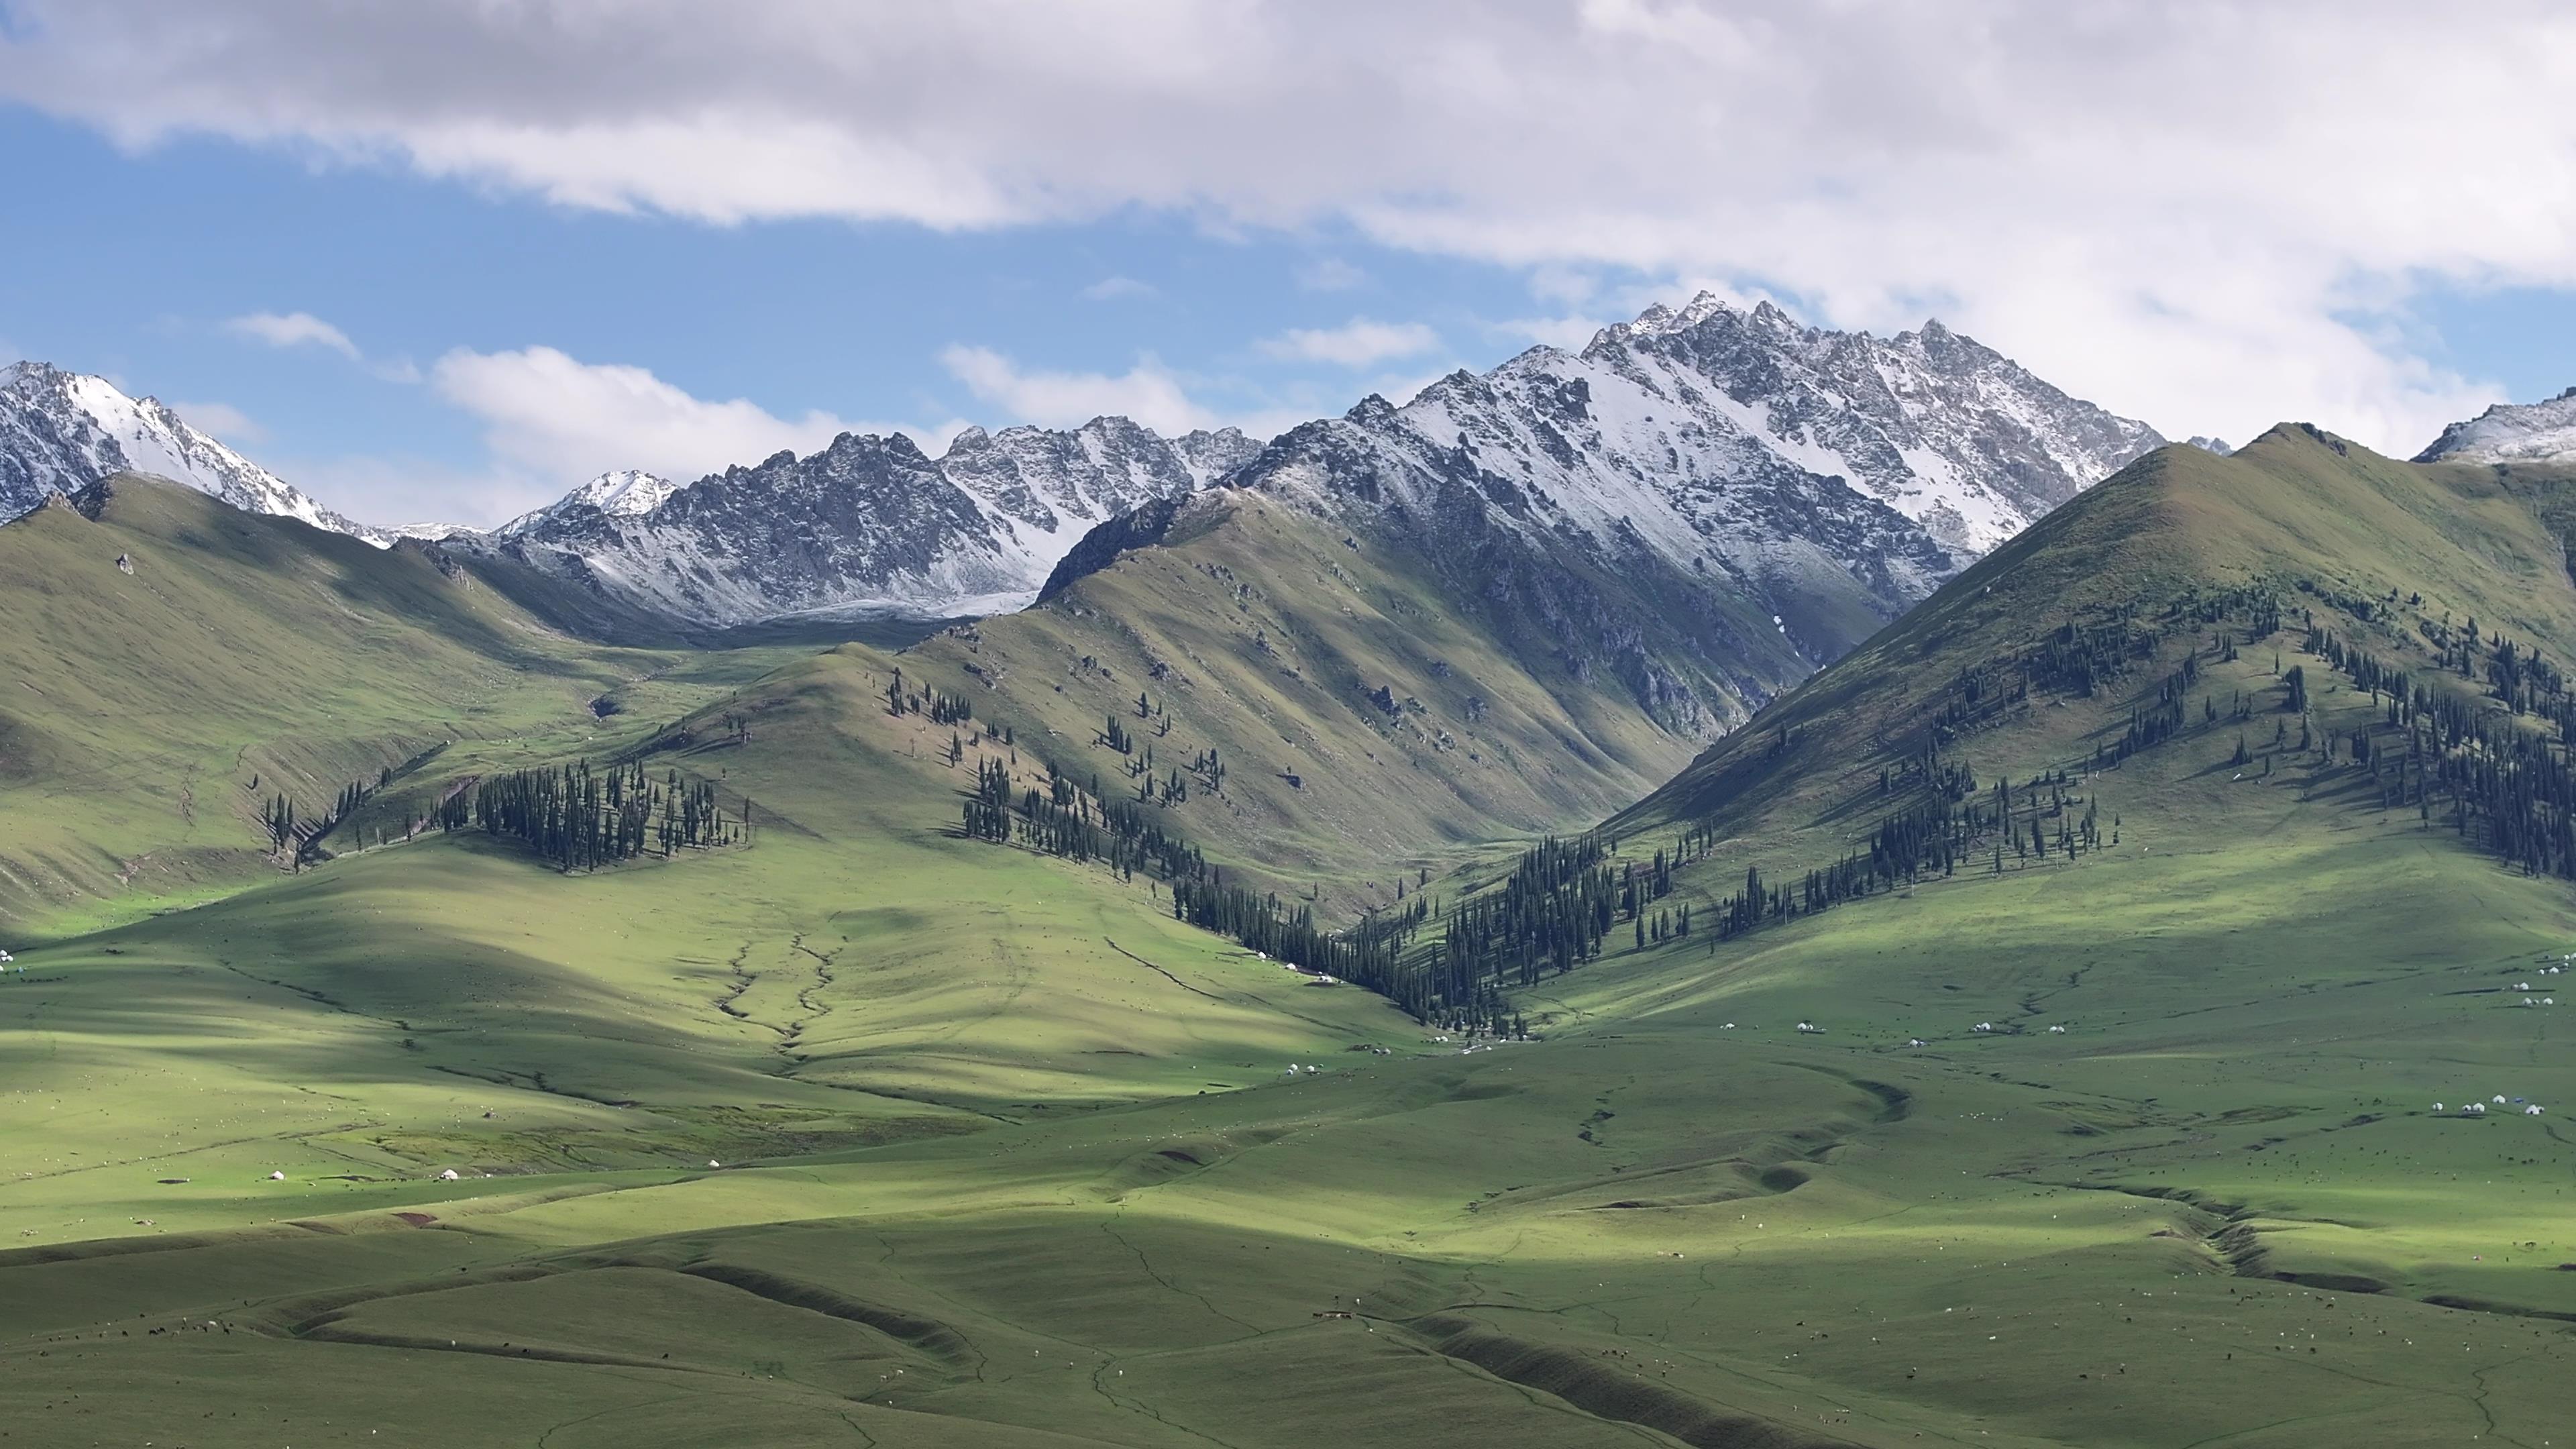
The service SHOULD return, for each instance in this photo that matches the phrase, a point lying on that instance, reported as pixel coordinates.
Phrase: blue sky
(145, 259)
(449, 260)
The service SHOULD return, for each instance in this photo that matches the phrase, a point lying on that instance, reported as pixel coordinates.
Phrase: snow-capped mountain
(425, 532)
(623, 493)
(1721, 438)
(1830, 470)
(1948, 432)
(2541, 432)
(869, 525)
(62, 431)
(1736, 440)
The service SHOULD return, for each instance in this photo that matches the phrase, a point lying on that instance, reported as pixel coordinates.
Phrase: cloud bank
(2208, 212)
(556, 421)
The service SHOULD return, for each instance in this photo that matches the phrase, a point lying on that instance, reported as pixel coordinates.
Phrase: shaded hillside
(2043, 651)
(1370, 711)
(154, 716)
(870, 1126)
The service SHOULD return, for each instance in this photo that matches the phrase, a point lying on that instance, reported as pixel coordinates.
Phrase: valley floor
(1008, 1157)
(863, 1132)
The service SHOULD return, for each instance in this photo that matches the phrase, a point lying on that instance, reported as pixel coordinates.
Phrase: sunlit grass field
(865, 1133)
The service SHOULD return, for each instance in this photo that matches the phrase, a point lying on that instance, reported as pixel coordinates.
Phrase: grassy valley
(862, 1131)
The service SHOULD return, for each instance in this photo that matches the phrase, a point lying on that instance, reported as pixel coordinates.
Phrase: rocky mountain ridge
(2541, 432)
(867, 526)
(62, 431)
(1818, 473)
(1715, 438)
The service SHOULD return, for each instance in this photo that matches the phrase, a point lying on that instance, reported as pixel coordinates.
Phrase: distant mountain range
(1717, 441)
(1719, 438)
(868, 526)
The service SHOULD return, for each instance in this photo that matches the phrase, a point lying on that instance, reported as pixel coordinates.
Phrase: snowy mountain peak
(1932, 423)
(626, 491)
(62, 431)
(1660, 320)
(2541, 432)
(1726, 440)
(619, 493)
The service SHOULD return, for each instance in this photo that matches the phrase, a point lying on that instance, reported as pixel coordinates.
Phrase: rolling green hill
(151, 716)
(1368, 723)
(862, 1131)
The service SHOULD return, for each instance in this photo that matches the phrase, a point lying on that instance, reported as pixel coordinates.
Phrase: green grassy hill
(1371, 721)
(2322, 528)
(150, 717)
(865, 1132)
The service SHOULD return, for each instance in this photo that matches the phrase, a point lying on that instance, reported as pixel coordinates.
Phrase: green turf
(1008, 1157)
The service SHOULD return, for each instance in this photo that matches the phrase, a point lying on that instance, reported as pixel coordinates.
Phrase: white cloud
(303, 329)
(292, 329)
(1564, 286)
(400, 490)
(1111, 289)
(1360, 342)
(2204, 213)
(552, 422)
(1329, 274)
(1146, 392)
(1569, 332)
(225, 421)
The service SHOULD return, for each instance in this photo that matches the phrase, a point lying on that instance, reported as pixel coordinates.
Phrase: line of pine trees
(578, 818)
(947, 709)
(1067, 821)
(1368, 954)
(1933, 838)
(2499, 785)
(1064, 821)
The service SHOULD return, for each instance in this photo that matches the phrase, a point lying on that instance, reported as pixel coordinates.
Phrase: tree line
(578, 818)
(1065, 821)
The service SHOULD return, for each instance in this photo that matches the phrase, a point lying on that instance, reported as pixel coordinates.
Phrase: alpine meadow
(1720, 881)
